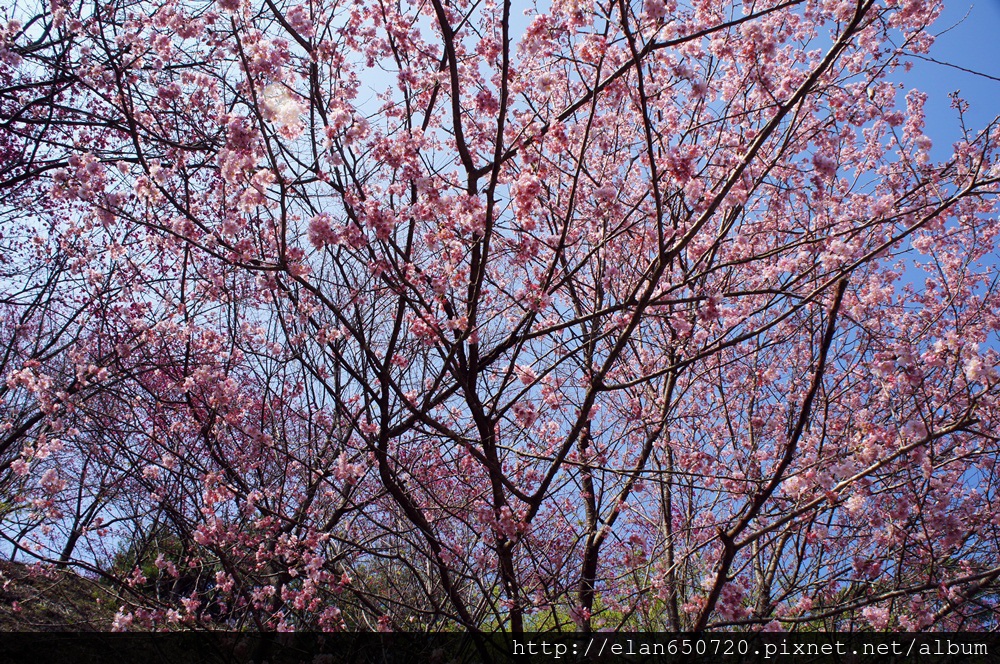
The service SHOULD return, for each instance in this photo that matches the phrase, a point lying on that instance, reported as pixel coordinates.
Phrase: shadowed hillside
(51, 600)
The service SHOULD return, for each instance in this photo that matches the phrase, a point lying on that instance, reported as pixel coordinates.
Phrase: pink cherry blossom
(436, 316)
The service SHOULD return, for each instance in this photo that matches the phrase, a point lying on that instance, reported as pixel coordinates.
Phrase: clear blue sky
(974, 43)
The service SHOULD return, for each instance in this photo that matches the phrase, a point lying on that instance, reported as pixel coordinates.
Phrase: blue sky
(973, 43)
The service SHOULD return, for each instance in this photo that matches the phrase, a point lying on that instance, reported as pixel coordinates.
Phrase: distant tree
(434, 316)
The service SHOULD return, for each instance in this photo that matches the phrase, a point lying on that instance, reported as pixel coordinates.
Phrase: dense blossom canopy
(386, 315)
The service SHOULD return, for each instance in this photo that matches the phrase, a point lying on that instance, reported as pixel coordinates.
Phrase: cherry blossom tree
(422, 316)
